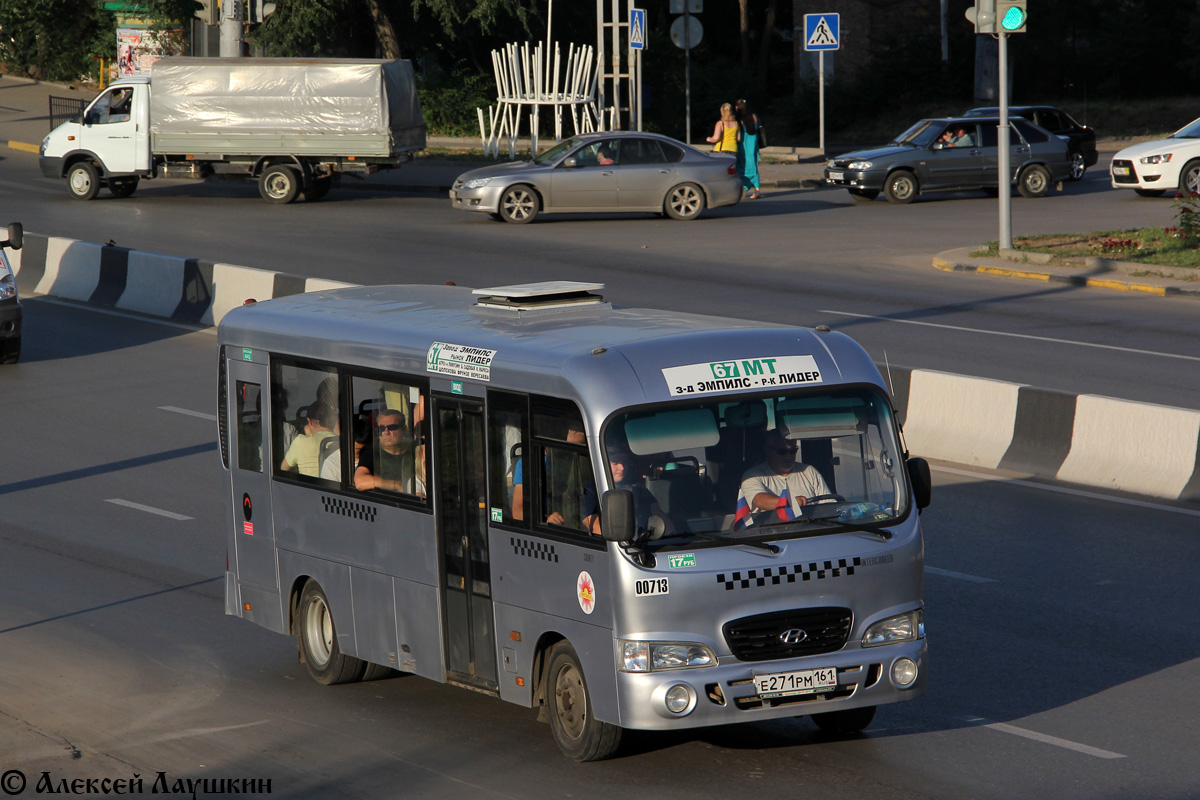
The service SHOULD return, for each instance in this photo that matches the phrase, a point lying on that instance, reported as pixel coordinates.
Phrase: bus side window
(249, 426)
(568, 489)
(508, 433)
(304, 412)
(390, 420)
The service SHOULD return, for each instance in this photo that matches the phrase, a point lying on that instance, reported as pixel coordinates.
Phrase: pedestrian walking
(749, 135)
(724, 136)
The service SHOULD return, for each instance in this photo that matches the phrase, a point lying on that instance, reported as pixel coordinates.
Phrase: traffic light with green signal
(983, 16)
(1011, 15)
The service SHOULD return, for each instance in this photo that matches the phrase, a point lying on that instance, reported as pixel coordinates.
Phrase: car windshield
(797, 464)
(1189, 131)
(557, 152)
(919, 135)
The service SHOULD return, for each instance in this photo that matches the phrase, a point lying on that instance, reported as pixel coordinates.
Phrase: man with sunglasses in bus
(780, 482)
(387, 463)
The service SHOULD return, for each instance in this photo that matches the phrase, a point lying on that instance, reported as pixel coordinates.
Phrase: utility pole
(232, 28)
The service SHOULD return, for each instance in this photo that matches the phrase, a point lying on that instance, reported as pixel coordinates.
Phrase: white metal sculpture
(535, 78)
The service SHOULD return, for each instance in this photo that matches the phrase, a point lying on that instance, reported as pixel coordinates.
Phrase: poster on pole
(138, 49)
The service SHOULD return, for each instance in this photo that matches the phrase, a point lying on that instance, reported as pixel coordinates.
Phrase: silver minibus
(622, 517)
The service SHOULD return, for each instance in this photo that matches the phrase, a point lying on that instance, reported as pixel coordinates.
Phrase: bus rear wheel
(576, 731)
(318, 641)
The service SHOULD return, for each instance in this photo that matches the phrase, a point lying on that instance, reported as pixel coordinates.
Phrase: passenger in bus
(304, 453)
(625, 476)
(770, 486)
(388, 462)
(331, 467)
(564, 486)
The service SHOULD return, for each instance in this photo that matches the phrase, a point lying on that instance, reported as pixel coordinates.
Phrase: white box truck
(293, 125)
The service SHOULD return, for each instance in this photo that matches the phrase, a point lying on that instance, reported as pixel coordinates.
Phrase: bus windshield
(773, 467)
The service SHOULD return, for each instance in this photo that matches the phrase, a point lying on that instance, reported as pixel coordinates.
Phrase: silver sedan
(612, 171)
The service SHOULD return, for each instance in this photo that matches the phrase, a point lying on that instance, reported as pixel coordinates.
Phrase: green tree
(55, 40)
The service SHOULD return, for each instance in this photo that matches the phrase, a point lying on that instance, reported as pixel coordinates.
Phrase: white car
(1164, 165)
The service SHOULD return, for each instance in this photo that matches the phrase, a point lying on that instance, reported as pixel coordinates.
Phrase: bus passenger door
(460, 486)
(253, 534)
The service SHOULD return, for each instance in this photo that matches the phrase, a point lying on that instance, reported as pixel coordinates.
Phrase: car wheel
(684, 202)
(519, 204)
(122, 187)
(852, 720)
(1189, 178)
(1078, 166)
(863, 195)
(279, 184)
(901, 187)
(1034, 181)
(83, 181)
(1149, 192)
(10, 350)
(318, 641)
(578, 734)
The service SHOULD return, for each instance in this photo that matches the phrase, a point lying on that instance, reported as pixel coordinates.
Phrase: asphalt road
(1063, 645)
(799, 256)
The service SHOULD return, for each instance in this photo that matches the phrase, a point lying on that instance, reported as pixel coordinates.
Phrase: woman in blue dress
(749, 132)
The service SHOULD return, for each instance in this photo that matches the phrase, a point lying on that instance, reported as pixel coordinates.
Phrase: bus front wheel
(318, 641)
(576, 731)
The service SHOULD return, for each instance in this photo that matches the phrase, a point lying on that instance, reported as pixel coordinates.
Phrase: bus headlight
(904, 672)
(901, 628)
(658, 656)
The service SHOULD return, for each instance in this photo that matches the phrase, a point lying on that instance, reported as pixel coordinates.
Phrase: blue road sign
(637, 28)
(822, 31)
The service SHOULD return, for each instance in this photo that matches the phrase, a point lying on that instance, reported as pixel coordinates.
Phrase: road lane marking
(1064, 490)
(200, 414)
(962, 576)
(1041, 737)
(147, 509)
(1015, 335)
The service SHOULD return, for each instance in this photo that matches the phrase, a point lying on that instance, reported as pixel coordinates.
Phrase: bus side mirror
(616, 515)
(16, 235)
(918, 474)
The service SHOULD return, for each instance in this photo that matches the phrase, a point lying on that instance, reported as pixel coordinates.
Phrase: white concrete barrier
(959, 418)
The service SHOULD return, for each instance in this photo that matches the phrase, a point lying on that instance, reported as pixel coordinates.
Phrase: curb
(25, 146)
(1095, 441)
(1157, 290)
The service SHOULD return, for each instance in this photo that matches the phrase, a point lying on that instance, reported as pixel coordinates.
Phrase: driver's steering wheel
(821, 498)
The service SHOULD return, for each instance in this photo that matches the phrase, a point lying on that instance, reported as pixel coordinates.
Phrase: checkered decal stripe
(348, 508)
(814, 570)
(532, 549)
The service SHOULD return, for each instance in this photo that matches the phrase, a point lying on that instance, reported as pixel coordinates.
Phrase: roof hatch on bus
(540, 295)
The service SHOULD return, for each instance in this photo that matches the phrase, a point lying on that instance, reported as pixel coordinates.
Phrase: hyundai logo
(793, 636)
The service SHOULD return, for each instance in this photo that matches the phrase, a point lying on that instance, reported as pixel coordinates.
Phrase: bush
(449, 100)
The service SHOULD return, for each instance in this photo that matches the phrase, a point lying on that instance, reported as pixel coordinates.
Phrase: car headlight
(1159, 158)
(859, 165)
(900, 628)
(476, 183)
(658, 656)
(8, 287)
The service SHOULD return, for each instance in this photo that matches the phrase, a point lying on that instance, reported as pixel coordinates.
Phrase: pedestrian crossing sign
(822, 31)
(637, 29)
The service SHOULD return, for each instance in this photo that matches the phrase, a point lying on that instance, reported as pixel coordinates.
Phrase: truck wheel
(320, 187)
(900, 187)
(1034, 181)
(684, 202)
(318, 641)
(83, 181)
(519, 204)
(578, 734)
(10, 350)
(122, 187)
(279, 184)
(852, 720)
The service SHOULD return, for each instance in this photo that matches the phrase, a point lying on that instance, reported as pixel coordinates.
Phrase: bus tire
(852, 720)
(318, 641)
(577, 732)
(377, 672)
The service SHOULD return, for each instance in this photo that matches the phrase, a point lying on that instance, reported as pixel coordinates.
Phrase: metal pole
(687, 71)
(821, 97)
(1003, 171)
(601, 95)
(231, 28)
(616, 62)
(639, 89)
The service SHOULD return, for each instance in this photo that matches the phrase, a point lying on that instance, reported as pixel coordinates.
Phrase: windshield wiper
(709, 537)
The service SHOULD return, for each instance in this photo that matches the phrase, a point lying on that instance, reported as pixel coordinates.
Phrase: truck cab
(108, 146)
